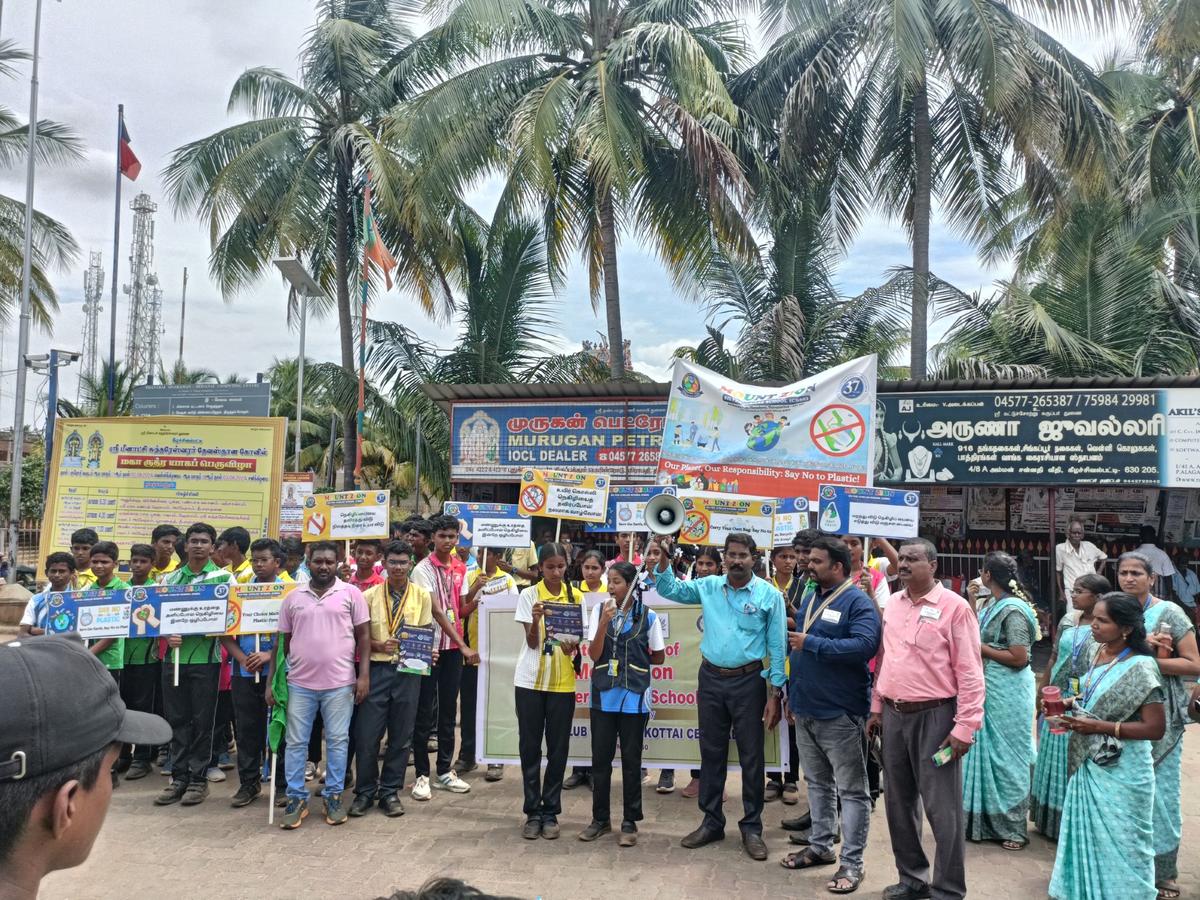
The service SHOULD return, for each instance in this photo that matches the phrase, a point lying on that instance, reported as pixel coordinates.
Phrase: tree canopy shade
(289, 181)
(899, 102)
(606, 117)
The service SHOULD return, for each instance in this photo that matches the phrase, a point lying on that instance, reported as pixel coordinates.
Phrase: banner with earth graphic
(779, 442)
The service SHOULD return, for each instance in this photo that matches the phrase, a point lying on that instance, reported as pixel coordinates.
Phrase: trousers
(391, 708)
(732, 705)
(606, 728)
(543, 714)
(190, 709)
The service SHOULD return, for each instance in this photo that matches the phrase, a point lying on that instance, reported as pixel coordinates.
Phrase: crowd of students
(946, 683)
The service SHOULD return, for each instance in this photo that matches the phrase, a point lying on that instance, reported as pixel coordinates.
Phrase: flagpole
(26, 315)
(112, 306)
(362, 381)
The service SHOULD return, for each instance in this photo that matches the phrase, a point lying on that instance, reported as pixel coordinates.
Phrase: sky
(172, 63)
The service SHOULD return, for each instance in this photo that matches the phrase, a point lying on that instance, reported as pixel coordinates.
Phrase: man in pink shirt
(928, 704)
(326, 630)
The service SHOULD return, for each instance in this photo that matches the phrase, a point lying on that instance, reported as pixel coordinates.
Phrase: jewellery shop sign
(1119, 437)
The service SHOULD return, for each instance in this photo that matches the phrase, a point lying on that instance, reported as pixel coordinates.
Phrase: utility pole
(26, 319)
(182, 315)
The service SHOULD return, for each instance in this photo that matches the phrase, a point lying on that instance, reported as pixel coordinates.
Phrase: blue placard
(415, 654)
(563, 620)
(625, 502)
(869, 512)
(159, 610)
(491, 525)
(93, 614)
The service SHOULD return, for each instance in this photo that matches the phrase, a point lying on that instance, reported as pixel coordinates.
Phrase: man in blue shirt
(829, 693)
(744, 623)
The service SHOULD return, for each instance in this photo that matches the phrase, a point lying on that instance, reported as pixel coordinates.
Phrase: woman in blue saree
(996, 774)
(1068, 662)
(1106, 840)
(1173, 639)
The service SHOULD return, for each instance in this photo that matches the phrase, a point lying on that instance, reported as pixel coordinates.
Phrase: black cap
(60, 706)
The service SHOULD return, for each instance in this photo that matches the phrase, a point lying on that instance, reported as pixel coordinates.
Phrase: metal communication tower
(145, 297)
(93, 293)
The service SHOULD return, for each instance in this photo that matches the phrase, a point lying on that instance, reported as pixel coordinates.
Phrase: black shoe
(905, 892)
(595, 830)
(462, 766)
(701, 836)
(172, 793)
(754, 846)
(246, 794)
(574, 780)
(799, 823)
(532, 829)
(361, 804)
(666, 782)
(391, 805)
(139, 768)
(161, 759)
(196, 793)
(550, 829)
(123, 764)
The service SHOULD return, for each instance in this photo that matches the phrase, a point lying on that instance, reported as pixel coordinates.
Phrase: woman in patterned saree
(996, 775)
(1068, 662)
(1173, 639)
(1106, 840)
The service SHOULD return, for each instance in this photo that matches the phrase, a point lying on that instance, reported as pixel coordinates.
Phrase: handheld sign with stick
(175, 656)
(257, 649)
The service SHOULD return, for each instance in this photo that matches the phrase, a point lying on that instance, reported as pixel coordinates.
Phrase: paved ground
(214, 851)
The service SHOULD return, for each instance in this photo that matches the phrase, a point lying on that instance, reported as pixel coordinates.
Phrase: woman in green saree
(1106, 840)
(996, 774)
(1068, 663)
(1173, 639)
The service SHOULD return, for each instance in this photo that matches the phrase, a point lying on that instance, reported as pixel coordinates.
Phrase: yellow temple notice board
(124, 476)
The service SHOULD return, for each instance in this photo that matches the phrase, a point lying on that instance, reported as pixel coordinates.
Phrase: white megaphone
(664, 514)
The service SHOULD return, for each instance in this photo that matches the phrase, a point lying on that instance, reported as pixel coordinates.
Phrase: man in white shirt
(1162, 564)
(1075, 557)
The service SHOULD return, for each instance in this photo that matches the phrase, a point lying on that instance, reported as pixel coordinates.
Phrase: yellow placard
(346, 516)
(254, 608)
(124, 476)
(576, 496)
(709, 517)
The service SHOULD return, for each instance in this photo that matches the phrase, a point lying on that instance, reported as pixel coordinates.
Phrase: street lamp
(306, 286)
(49, 364)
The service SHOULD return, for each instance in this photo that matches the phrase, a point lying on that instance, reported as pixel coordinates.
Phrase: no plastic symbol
(837, 430)
(533, 498)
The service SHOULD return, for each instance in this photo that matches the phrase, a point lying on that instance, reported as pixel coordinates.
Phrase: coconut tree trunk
(345, 322)
(923, 160)
(612, 288)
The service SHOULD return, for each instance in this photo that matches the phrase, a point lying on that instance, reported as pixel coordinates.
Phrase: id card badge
(931, 612)
(612, 667)
(451, 616)
(1073, 685)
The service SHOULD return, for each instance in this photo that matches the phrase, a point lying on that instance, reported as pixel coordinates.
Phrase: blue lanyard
(1076, 644)
(1089, 688)
(991, 614)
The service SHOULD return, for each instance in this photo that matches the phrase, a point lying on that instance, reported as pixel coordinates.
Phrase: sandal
(1168, 891)
(1013, 845)
(806, 859)
(848, 875)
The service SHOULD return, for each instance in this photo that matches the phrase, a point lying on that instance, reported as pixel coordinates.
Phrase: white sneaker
(452, 783)
(310, 770)
(420, 789)
(214, 774)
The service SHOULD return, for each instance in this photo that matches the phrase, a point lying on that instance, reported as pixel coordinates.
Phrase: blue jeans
(831, 755)
(336, 707)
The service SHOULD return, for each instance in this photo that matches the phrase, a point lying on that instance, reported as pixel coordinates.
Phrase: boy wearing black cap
(61, 733)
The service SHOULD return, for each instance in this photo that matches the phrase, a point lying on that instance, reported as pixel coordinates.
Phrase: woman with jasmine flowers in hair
(997, 770)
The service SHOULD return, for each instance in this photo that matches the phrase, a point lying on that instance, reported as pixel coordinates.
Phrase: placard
(711, 517)
(93, 614)
(490, 525)
(575, 496)
(720, 435)
(414, 656)
(166, 609)
(626, 507)
(253, 608)
(297, 487)
(874, 512)
(791, 517)
(563, 621)
(347, 516)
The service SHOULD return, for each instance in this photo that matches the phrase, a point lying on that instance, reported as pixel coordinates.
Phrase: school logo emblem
(853, 387)
(690, 385)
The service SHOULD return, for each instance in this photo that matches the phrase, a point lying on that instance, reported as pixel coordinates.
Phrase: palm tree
(93, 393)
(606, 118)
(905, 101)
(790, 321)
(53, 245)
(290, 180)
(181, 374)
